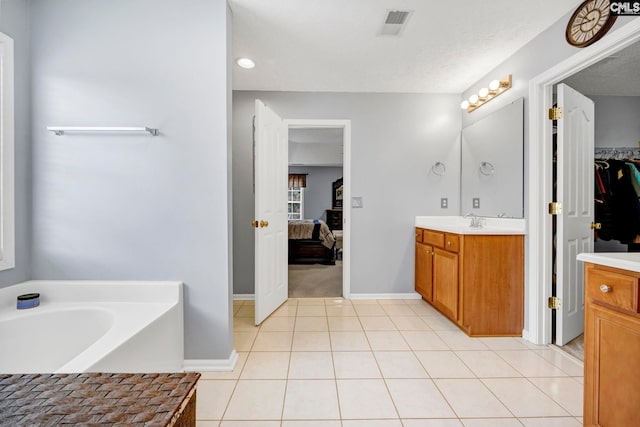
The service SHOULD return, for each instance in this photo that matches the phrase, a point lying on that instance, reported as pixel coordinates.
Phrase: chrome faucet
(475, 220)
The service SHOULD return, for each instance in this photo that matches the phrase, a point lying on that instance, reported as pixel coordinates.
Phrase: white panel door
(271, 174)
(575, 191)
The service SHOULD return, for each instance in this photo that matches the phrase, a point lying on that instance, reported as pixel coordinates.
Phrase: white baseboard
(410, 295)
(244, 297)
(211, 365)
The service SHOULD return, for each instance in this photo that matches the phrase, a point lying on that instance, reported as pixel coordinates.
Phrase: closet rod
(60, 130)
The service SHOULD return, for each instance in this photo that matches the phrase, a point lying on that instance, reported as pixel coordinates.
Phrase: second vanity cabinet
(475, 280)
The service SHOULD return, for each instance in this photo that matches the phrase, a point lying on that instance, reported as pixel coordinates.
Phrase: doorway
(540, 241)
(320, 151)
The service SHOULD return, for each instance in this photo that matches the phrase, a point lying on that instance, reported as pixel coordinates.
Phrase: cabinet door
(445, 282)
(424, 270)
(612, 360)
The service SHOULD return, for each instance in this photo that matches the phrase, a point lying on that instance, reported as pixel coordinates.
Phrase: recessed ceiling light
(245, 63)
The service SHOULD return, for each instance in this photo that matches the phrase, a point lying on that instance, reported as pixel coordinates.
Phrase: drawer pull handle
(605, 289)
(449, 243)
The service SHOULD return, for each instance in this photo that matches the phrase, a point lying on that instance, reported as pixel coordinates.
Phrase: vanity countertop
(629, 261)
(461, 225)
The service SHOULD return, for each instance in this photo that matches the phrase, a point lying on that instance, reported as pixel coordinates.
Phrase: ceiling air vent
(394, 22)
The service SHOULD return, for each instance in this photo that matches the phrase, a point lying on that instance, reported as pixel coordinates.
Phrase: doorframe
(540, 163)
(345, 125)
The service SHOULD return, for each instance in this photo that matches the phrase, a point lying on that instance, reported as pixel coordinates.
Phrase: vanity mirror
(492, 150)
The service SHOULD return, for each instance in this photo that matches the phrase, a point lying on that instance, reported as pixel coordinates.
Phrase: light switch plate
(476, 203)
(356, 202)
(444, 203)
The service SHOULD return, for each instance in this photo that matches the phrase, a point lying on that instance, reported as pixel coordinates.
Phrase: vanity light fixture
(246, 63)
(496, 87)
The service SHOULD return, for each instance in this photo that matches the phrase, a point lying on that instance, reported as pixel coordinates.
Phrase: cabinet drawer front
(618, 290)
(452, 242)
(418, 235)
(434, 238)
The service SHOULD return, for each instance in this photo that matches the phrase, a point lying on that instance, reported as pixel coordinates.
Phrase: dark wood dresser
(334, 219)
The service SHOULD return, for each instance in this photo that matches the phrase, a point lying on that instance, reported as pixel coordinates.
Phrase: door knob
(254, 224)
(264, 224)
(596, 226)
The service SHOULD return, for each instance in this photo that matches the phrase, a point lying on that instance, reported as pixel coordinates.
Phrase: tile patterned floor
(384, 363)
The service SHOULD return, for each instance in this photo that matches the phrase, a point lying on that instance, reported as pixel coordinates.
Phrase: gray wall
(136, 207)
(14, 21)
(317, 194)
(396, 138)
(617, 121)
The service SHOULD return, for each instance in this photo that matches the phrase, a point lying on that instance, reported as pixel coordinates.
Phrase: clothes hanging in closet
(617, 190)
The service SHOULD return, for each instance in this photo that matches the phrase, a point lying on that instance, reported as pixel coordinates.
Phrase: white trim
(7, 213)
(539, 244)
(244, 297)
(211, 365)
(410, 295)
(346, 190)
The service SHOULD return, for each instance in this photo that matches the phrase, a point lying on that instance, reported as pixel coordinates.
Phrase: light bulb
(246, 63)
(483, 92)
(494, 85)
(464, 104)
(473, 99)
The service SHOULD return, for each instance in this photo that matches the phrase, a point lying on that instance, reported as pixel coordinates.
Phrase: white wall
(396, 138)
(310, 153)
(14, 21)
(617, 121)
(317, 193)
(134, 206)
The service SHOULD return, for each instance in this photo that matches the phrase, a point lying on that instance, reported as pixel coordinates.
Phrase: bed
(310, 242)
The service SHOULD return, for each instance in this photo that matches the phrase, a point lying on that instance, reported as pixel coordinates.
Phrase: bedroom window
(296, 203)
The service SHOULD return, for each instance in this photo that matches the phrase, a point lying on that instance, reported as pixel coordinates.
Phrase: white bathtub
(91, 326)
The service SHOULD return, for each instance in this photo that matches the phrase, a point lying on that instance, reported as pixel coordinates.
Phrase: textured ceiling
(616, 75)
(333, 45)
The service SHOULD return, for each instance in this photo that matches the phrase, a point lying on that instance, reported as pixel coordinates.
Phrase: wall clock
(591, 20)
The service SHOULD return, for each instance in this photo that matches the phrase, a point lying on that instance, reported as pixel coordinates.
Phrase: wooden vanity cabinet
(612, 347)
(477, 281)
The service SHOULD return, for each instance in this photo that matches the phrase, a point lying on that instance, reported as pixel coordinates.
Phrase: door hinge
(554, 303)
(555, 113)
(555, 208)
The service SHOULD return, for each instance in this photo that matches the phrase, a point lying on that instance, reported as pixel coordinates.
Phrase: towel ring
(486, 168)
(439, 169)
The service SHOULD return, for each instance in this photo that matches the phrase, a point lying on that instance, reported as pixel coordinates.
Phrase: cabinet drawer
(452, 242)
(434, 238)
(418, 235)
(618, 290)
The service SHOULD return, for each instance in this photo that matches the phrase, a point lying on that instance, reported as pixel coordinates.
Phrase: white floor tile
(418, 399)
(200, 423)
(397, 309)
(246, 311)
(340, 311)
(273, 341)
(212, 398)
(266, 365)
(567, 392)
(432, 423)
(504, 343)
(349, 341)
(399, 364)
(443, 364)
(522, 398)
(550, 422)
(243, 340)
(278, 324)
(562, 361)
(487, 364)
(425, 309)
(530, 364)
(410, 323)
(311, 310)
(227, 375)
(311, 399)
(424, 340)
(247, 424)
(288, 310)
(386, 340)
(471, 399)
(458, 340)
(312, 324)
(310, 301)
(358, 364)
(256, 400)
(311, 341)
(311, 365)
(492, 422)
(377, 323)
(365, 399)
(344, 324)
(369, 310)
(337, 301)
(371, 423)
(325, 423)
(439, 323)
(244, 324)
